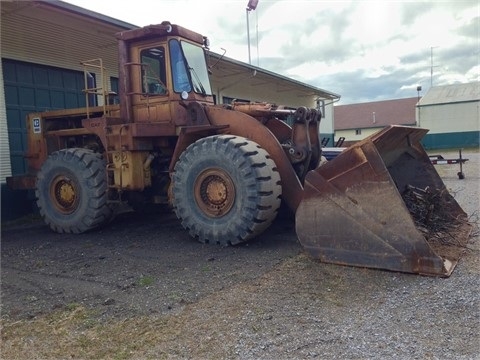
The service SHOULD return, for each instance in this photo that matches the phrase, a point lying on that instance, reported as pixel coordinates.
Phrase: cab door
(149, 83)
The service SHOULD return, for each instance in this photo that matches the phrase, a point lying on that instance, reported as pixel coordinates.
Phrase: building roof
(448, 94)
(238, 71)
(73, 9)
(375, 114)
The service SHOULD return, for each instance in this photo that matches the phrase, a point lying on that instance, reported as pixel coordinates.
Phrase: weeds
(145, 281)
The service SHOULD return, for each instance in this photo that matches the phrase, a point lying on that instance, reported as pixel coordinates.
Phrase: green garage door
(31, 87)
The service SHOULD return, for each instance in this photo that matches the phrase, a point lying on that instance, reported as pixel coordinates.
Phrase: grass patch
(145, 281)
(78, 333)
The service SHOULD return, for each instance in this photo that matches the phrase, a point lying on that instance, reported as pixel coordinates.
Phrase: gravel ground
(175, 298)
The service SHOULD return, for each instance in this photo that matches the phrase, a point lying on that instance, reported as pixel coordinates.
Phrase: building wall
(326, 125)
(244, 90)
(448, 118)
(451, 125)
(25, 26)
(37, 45)
(72, 39)
(250, 86)
(351, 136)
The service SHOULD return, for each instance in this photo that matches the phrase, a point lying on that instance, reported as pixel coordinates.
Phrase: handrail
(102, 90)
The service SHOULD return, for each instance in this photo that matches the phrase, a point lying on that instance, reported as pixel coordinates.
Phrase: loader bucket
(381, 204)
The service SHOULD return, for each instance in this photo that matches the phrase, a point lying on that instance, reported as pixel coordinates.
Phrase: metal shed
(451, 112)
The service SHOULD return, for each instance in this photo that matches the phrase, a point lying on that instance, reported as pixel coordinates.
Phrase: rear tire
(225, 190)
(71, 191)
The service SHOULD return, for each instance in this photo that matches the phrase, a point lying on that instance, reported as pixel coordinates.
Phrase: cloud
(362, 50)
(373, 51)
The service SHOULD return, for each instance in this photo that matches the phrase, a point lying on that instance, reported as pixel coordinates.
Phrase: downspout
(5, 163)
(325, 104)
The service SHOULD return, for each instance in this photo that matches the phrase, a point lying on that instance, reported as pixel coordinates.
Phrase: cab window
(154, 77)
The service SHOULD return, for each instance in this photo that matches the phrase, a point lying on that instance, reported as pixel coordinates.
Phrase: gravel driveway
(176, 298)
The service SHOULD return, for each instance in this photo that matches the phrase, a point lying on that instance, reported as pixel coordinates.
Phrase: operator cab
(188, 69)
(161, 68)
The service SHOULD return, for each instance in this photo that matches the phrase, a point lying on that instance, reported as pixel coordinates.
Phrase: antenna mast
(431, 65)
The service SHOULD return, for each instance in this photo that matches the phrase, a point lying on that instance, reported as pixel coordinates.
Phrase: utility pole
(252, 5)
(256, 26)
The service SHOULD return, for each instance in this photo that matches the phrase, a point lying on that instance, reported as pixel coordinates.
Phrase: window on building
(229, 100)
(358, 132)
(113, 94)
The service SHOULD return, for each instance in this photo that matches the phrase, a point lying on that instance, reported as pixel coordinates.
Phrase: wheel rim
(63, 191)
(214, 192)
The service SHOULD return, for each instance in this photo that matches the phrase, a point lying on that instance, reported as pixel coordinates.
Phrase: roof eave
(317, 91)
(85, 12)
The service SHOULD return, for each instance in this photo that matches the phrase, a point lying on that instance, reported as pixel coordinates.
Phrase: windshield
(193, 67)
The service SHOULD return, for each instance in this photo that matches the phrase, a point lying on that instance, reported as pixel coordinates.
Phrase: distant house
(357, 121)
(451, 112)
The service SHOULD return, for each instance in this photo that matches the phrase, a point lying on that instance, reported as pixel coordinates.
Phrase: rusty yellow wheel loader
(226, 169)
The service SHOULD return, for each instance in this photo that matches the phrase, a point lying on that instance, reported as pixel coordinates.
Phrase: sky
(362, 50)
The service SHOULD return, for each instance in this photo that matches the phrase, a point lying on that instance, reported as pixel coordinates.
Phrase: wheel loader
(226, 169)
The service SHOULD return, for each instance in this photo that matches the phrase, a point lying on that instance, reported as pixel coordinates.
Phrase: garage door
(29, 88)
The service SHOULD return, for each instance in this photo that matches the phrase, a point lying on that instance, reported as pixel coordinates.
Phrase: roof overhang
(77, 10)
(231, 72)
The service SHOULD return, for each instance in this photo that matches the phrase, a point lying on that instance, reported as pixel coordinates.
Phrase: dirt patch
(138, 264)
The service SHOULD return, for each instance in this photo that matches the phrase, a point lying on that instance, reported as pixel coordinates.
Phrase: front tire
(225, 190)
(71, 191)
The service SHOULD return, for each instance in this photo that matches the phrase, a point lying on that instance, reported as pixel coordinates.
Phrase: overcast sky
(361, 50)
